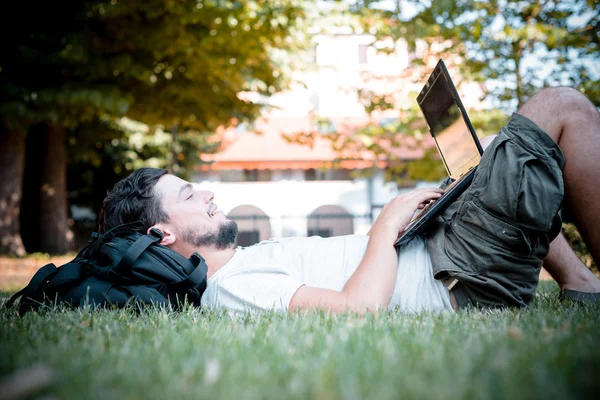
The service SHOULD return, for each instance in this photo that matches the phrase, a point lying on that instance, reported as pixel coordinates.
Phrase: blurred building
(274, 188)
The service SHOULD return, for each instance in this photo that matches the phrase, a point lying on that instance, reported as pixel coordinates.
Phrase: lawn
(551, 350)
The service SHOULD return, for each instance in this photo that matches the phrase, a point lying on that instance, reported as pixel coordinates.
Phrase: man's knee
(552, 108)
(486, 141)
(559, 102)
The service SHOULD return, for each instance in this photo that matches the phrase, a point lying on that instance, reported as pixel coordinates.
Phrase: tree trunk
(54, 230)
(12, 165)
(518, 54)
(35, 146)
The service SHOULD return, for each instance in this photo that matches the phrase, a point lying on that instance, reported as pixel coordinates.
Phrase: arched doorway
(253, 224)
(330, 220)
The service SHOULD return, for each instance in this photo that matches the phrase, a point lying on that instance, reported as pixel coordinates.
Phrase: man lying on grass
(486, 249)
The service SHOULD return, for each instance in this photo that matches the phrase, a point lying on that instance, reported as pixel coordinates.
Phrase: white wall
(289, 198)
(289, 202)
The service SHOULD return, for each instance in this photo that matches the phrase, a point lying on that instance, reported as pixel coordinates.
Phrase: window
(328, 175)
(253, 224)
(287, 174)
(257, 175)
(339, 175)
(247, 238)
(324, 125)
(323, 232)
(251, 175)
(313, 54)
(233, 175)
(314, 175)
(329, 220)
(314, 101)
(362, 53)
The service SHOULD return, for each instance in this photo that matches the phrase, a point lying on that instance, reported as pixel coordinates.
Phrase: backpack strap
(98, 239)
(101, 294)
(34, 286)
(138, 247)
(88, 290)
(34, 290)
(196, 279)
(145, 294)
(67, 275)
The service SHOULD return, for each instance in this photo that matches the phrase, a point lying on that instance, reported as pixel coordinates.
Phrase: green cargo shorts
(494, 238)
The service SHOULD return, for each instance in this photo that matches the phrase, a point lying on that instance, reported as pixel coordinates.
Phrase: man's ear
(169, 236)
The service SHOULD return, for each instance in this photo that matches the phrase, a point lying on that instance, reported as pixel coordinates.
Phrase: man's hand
(398, 213)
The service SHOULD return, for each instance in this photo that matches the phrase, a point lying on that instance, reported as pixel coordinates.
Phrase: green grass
(551, 350)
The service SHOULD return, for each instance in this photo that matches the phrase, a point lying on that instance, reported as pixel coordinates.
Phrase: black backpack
(117, 268)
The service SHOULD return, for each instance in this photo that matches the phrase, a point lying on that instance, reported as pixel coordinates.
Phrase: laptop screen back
(449, 129)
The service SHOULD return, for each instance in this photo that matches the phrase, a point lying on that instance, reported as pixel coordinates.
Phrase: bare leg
(567, 269)
(562, 263)
(486, 141)
(573, 122)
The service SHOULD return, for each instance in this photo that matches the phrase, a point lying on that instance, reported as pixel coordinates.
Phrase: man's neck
(216, 259)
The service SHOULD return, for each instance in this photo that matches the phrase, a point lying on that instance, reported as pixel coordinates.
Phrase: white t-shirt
(266, 276)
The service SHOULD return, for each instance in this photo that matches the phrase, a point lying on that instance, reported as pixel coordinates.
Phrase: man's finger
(418, 193)
(422, 197)
(424, 191)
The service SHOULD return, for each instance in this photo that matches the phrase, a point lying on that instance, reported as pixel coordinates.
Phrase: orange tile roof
(267, 149)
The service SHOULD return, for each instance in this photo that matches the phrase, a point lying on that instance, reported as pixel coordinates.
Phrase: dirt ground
(16, 273)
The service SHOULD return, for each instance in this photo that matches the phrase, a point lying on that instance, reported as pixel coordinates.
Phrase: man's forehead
(170, 185)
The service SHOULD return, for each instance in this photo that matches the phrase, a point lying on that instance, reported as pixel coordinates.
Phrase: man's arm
(372, 284)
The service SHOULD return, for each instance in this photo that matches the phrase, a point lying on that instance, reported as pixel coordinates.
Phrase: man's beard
(222, 239)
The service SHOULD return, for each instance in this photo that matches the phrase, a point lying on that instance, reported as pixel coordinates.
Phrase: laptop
(455, 140)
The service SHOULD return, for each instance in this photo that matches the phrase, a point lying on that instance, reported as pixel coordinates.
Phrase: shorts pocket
(493, 230)
(522, 186)
(541, 192)
(499, 188)
(477, 240)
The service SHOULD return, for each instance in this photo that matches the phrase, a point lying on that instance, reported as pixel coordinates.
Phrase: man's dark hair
(133, 199)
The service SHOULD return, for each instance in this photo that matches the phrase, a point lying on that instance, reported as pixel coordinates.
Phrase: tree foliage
(512, 48)
(204, 54)
(162, 62)
(179, 66)
(515, 47)
(157, 61)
